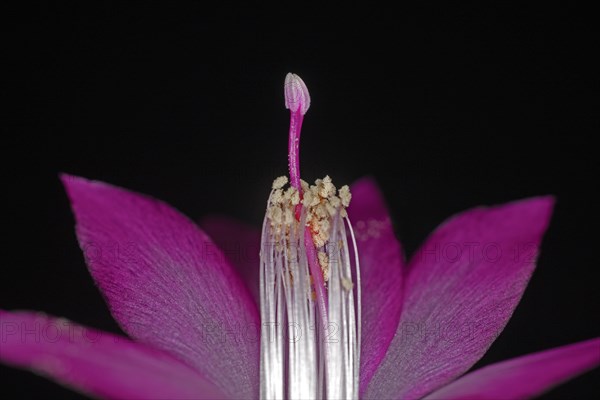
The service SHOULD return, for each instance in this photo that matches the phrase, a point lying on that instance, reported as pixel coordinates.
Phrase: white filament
(299, 359)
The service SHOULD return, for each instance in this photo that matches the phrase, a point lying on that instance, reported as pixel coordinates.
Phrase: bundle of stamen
(310, 282)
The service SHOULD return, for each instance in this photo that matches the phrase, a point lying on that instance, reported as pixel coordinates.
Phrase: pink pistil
(297, 100)
(296, 118)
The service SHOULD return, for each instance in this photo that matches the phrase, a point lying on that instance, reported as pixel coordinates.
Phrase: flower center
(309, 281)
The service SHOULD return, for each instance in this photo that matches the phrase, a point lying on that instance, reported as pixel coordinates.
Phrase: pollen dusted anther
(280, 182)
(324, 263)
(321, 205)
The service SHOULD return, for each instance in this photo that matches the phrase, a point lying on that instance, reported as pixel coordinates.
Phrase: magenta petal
(96, 363)
(461, 289)
(381, 266)
(167, 283)
(526, 376)
(241, 245)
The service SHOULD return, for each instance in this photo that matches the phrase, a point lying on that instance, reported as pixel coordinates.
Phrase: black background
(449, 107)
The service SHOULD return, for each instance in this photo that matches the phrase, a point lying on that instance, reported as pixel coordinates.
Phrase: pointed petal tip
(538, 209)
(366, 181)
(67, 179)
(77, 189)
(543, 202)
(153, 237)
(72, 182)
(493, 284)
(366, 185)
(542, 205)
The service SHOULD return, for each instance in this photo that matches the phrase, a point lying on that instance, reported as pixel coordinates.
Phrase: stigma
(309, 280)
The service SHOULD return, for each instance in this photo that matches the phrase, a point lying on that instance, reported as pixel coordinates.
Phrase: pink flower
(192, 313)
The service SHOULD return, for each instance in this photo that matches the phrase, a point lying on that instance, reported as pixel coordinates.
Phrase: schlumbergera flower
(341, 315)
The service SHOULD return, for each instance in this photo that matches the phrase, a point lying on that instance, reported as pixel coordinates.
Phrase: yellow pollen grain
(288, 194)
(324, 262)
(313, 223)
(347, 284)
(315, 197)
(326, 189)
(324, 225)
(322, 202)
(345, 195)
(295, 198)
(330, 209)
(280, 182)
(321, 238)
(305, 186)
(307, 199)
(321, 211)
(335, 201)
(288, 216)
(277, 197)
(276, 215)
